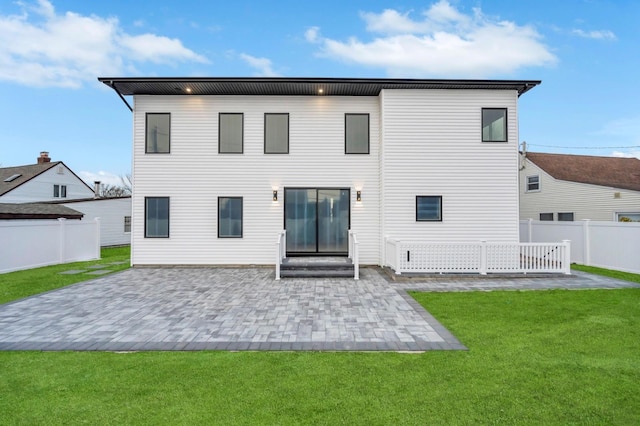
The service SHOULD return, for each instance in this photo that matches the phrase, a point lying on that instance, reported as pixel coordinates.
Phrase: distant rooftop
(623, 173)
(37, 211)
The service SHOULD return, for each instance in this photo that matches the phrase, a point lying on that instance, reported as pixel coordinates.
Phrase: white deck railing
(354, 254)
(281, 250)
(477, 258)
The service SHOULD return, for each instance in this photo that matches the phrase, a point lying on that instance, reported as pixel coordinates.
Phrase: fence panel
(33, 243)
(612, 245)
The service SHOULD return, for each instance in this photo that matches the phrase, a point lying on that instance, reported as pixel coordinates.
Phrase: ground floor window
(428, 208)
(127, 224)
(546, 216)
(229, 217)
(156, 217)
(565, 217)
(628, 217)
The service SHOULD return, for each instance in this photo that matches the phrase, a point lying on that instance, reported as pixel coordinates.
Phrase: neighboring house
(222, 165)
(565, 187)
(45, 181)
(37, 211)
(54, 183)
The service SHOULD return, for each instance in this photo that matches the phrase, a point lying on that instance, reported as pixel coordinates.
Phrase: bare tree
(123, 190)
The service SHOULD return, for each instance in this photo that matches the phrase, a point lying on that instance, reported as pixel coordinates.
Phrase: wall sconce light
(358, 196)
(275, 195)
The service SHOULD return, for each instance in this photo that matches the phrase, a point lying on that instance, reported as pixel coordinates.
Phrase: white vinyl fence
(477, 258)
(612, 245)
(26, 244)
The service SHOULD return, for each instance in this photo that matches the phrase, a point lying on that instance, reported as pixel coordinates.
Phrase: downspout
(113, 86)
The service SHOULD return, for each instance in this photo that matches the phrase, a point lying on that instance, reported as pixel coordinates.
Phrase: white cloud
(444, 42)
(262, 65)
(598, 35)
(631, 154)
(43, 48)
(105, 178)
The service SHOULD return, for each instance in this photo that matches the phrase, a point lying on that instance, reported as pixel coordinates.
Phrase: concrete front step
(316, 267)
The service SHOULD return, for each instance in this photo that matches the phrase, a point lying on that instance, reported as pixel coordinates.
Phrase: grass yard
(627, 276)
(19, 284)
(535, 357)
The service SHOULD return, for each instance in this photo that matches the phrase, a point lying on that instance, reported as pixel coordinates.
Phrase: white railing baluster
(280, 250)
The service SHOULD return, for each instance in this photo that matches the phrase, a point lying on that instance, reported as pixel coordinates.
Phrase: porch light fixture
(275, 195)
(358, 196)
(320, 91)
(188, 89)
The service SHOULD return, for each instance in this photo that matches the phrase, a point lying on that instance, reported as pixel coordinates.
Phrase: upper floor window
(533, 183)
(494, 124)
(276, 133)
(356, 133)
(59, 191)
(156, 217)
(428, 208)
(230, 133)
(158, 135)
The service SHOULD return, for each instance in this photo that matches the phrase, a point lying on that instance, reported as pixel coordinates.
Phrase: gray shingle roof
(614, 172)
(37, 211)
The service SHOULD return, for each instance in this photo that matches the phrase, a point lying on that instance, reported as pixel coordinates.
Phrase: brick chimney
(44, 158)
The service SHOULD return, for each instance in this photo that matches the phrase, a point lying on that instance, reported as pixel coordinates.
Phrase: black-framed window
(230, 133)
(565, 217)
(428, 208)
(546, 216)
(533, 183)
(127, 224)
(156, 217)
(229, 217)
(276, 133)
(158, 133)
(59, 191)
(494, 125)
(356, 133)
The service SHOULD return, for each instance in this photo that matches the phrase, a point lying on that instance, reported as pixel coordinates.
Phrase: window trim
(241, 217)
(128, 223)
(346, 114)
(545, 220)
(220, 114)
(623, 213)
(168, 217)
(146, 133)
(573, 217)
(265, 131)
(439, 197)
(59, 191)
(529, 183)
(506, 125)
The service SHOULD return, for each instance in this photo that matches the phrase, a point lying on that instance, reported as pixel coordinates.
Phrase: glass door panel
(301, 220)
(333, 220)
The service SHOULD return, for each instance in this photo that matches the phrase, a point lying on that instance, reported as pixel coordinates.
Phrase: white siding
(432, 145)
(193, 175)
(111, 213)
(40, 188)
(585, 201)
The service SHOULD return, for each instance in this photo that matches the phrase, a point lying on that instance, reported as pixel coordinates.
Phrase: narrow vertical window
(158, 133)
(56, 191)
(494, 125)
(127, 224)
(156, 217)
(63, 191)
(356, 133)
(229, 217)
(428, 208)
(230, 133)
(276, 133)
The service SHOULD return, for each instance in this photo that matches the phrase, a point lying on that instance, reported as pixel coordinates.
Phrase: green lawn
(535, 357)
(19, 284)
(627, 276)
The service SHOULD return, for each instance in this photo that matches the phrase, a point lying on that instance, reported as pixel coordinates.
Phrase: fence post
(566, 262)
(62, 222)
(586, 242)
(530, 230)
(98, 242)
(483, 257)
(398, 269)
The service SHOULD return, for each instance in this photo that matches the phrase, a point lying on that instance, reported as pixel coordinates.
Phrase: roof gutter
(113, 86)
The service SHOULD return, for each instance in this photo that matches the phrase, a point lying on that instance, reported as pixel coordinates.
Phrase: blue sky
(586, 52)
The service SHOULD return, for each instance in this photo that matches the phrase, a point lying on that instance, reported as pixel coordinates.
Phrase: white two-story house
(222, 165)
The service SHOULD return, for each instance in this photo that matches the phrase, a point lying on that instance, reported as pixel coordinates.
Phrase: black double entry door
(317, 221)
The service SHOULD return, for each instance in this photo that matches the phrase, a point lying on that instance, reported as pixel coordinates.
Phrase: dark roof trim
(32, 216)
(284, 86)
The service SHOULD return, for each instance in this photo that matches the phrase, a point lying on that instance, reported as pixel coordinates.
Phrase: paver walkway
(243, 309)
